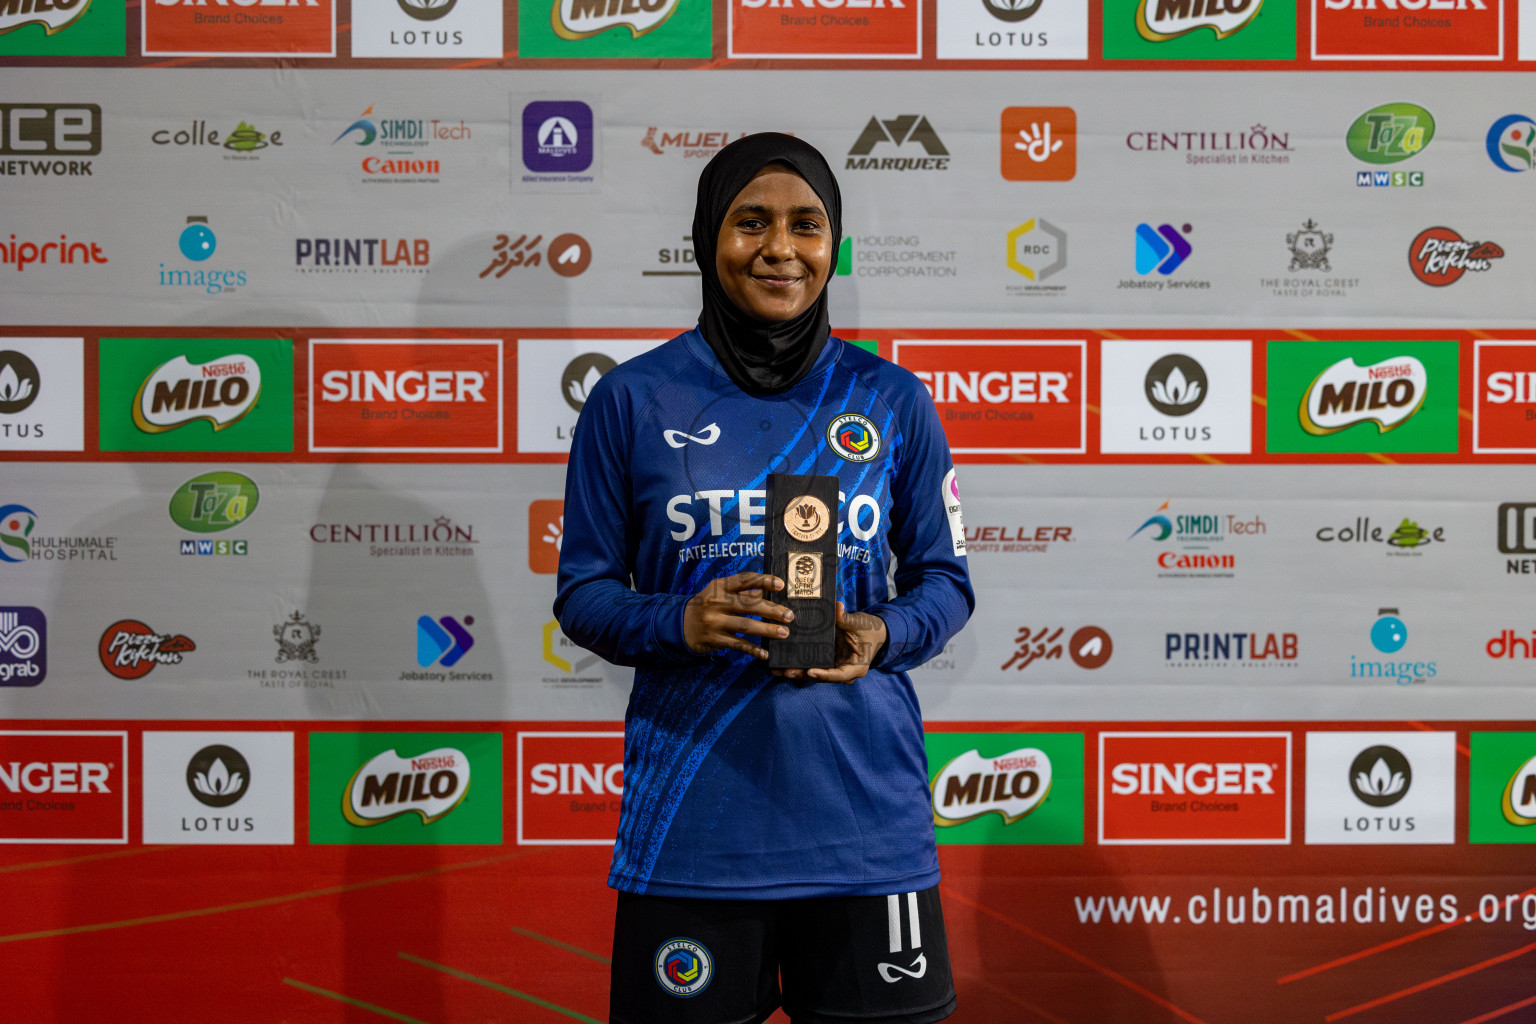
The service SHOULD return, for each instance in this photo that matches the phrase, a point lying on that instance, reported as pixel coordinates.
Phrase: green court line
(562, 945)
(535, 1000)
(391, 1014)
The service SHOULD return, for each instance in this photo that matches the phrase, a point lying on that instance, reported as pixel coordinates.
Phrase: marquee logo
(390, 395)
(578, 19)
(63, 787)
(429, 785)
(997, 397)
(911, 130)
(222, 392)
(1504, 396)
(1010, 785)
(1407, 30)
(1006, 787)
(130, 650)
(850, 29)
(399, 788)
(1390, 133)
(238, 28)
(1439, 256)
(1387, 394)
(1160, 20)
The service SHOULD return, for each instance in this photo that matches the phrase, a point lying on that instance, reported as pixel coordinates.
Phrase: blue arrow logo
(1163, 249)
(442, 638)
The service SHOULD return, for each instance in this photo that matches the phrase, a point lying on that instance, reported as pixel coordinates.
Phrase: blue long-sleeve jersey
(739, 784)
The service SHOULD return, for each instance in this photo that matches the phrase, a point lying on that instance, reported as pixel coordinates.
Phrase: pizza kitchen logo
(130, 650)
(1439, 256)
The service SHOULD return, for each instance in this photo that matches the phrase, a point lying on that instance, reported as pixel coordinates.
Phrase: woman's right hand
(713, 616)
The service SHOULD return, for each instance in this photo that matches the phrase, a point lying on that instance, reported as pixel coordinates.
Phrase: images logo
(23, 646)
(611, 28)
(1194, 788)
(214, 502)
(1448, 30)
(1504, 396)
(1006, 788)
(902, 130)
(442, 641)
(683, 968)
(1512, 143)
(546, 530)
(197, 243)
(64, 787)
(1163, 249)
(1439, 256)
(1039, 143)
(405, 788)
(1199, 30)
(782, 28)
(130, 650)
(185, 28)
(1390, 133)
(1371, 396)
(1352, 777)
(1389, 634)
(1502, 790)
(571, 784)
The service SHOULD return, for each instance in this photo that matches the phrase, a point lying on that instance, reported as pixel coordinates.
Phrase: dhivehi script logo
(1160, 20)
(221, 391)
(1010, 785)
(53, 16)
(1519, 804)
(1387, 394)
(578, 19)
(388, 786)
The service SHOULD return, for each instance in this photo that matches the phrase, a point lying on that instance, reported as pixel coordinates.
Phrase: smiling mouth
(776, 281)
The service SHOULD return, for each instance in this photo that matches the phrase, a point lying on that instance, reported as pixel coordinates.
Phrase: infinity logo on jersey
(64, 787)
(1195, 788)
(1003, 397)
(683, 968)
(854, 437)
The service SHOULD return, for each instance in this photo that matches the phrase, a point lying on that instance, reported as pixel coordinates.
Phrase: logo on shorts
(853, 437)
(683, 967)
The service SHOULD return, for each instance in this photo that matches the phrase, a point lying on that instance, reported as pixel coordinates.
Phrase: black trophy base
(800, 548)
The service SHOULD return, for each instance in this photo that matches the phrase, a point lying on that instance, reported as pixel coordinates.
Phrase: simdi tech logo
(1200, 29)
(64, 28)
(196, 394)
(1501, 794)
(1362, 396)
(570, 785)
(386, 788)
(615, 28)
(42, 394)
(1012, 30)
(1407, 29)
(1504, 397)
(426, 28)
(63, 787)
(845, 29)
(1194, 788)
(1001, 788)
(239, 28)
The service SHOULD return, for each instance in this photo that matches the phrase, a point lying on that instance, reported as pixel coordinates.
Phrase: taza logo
(1390, 133)
(214, 502)
(1439, 256)
(388, 786)
(1010, 785)
(1346, 394)
(1159, 20)
(221, 391)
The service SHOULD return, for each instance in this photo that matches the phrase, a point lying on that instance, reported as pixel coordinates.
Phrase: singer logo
(405, 396)
(63, 787)
(850, 29)
(569, 787)
(1407, 30)
(239, 28)
(1194, 788)
(1504, 400)
(1003, 397)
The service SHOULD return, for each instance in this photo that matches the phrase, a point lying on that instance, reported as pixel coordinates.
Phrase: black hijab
(764, 358)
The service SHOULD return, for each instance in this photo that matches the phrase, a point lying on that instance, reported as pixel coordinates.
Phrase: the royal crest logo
(1159, 20)
(296, 639)
(578, 19)
(1387, 394)
(854, 437)
(1439, 256)
(1010, 785)
(388, 786)
(1309, 247)
(180, 391)
(130, 650)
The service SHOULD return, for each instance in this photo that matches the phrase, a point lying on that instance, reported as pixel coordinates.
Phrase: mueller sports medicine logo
(222, 392)
(1160, 20)
(1345, 394)
(1504, 396)
(130, 650)
(1407, 30)
(1195, 788)
(688, 144)
(570, 785)
(850, 29)
(1009, 785)
(578, 19)
(387, 786)
(1439, 256)
(908, 132)
(47, 139)
(23, 646)
(63, 787)
(392, 395)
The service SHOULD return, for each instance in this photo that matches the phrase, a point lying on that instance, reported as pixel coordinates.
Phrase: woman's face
(775, 247)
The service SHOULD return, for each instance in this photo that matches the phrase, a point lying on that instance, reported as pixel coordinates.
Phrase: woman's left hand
(860, 636)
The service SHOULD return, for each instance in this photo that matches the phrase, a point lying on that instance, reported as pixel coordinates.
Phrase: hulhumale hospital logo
(1512, 143)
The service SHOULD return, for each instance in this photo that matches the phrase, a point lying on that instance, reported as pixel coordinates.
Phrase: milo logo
(214, 502)
(1159, 20)
(53, 15)
(1385, 393)
(180, 391)
(577, 19)
(1009, 785)
(388, 786)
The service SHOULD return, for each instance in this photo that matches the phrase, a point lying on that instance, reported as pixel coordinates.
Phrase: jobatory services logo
(1003, 397)
(1160, 251)
(1038, 143)
(1501, 794)
(1037, 252)
(197, 243)
(871, 29)
(59, 786)
(1389, 635)
(1390, 134)
(42, 394)
(243, 143)
(1503, 401)
(1254, 649)
(220, 788)
(396, 395)
(1001, 788)
(130, 650)
(603, 29)
(1090, 647)
(1199, 30)
(1511, 143)
(1407, 540)
(64, 28)
(1194, 788)
(1198, 549)
(442, 641)
(546, 531)
(1377, 788)
(188, 394)
(1012, 30)
(23, 646)
(1439, 256)
(20, 541)
(382, 788)
(42, 140)
(554, 378)
(1362, 396)
(569, 255)
(910, 135)
(426, 28)
(1176, 396)
(569, 787)
(1407, 30)
(246, 28)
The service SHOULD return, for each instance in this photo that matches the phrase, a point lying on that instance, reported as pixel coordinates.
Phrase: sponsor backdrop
(1237, 369)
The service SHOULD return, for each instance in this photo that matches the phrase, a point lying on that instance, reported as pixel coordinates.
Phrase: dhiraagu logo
(1006, 788)
(1502, 788)
(387, 788)
(1362, 396)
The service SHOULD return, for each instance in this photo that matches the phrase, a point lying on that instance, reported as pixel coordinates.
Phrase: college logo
(546, 529)
(1406, 540)
(1373, 396)
(1089, 646)
(683, 968)
(130, 650)
(390, 395)
(569, 254)
(1176, 396)
(1512, 143)
(1409, 30)
(442, 641)
(1195, 788)
(1199, 29)
(1012, 30)
(1389, 635)
(218, 787)
(1502, 789)
(64, 787)
(1504, 396)
(854, 437)
(1439, 256)
(426, 28)
(1039, 143)
(23, 646)
(570, 787)
(42, 395)
(783, 28)
(186, 28)
(63, 28)
(242, 142)
(606, 28)
(32, 132)
(397, 788)
(1390, 133)
(1381, 788)
(1003, 397)
(909, 130)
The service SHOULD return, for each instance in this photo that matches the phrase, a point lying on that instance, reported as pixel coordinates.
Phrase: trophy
(800, 547)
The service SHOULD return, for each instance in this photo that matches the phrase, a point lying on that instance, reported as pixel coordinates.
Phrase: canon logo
(1227, 777)
(995, 386)
(575, 778)
(407, 386)
(55, 777)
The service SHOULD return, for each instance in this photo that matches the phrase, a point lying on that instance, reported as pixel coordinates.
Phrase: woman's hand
(860, 636)
(714, 615)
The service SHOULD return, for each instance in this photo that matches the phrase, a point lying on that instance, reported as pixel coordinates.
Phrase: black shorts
(872, 959)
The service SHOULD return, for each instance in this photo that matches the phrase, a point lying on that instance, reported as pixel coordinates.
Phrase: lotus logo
(1390, 133)
(1176, 385)
(581, 376)
(218, 775)
(578, 19)
(1010, 785)
(1519, 803)
(1387, 394)
(1160, 20)
(1011, 10)
(19, 381)
(426, 10)
(221, 391)
(388, 786)
(1380, 776)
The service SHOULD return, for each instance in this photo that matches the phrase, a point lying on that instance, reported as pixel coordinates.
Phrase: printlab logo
(1229, 650)
(1512, 143)
(130, 650)
(1039, 143)
(1090, 647)
(197, 244)
(442, 641)
(569, 254)
(23, 646)
(1390, 134)
(557, 137)
(218, 775)
(1389, 635)
(1439, 256)
(546, 531)
(19, 382)
(911, 131)
(33, 132)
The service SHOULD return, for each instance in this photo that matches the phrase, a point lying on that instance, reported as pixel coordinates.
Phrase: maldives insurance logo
(1362, 396)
